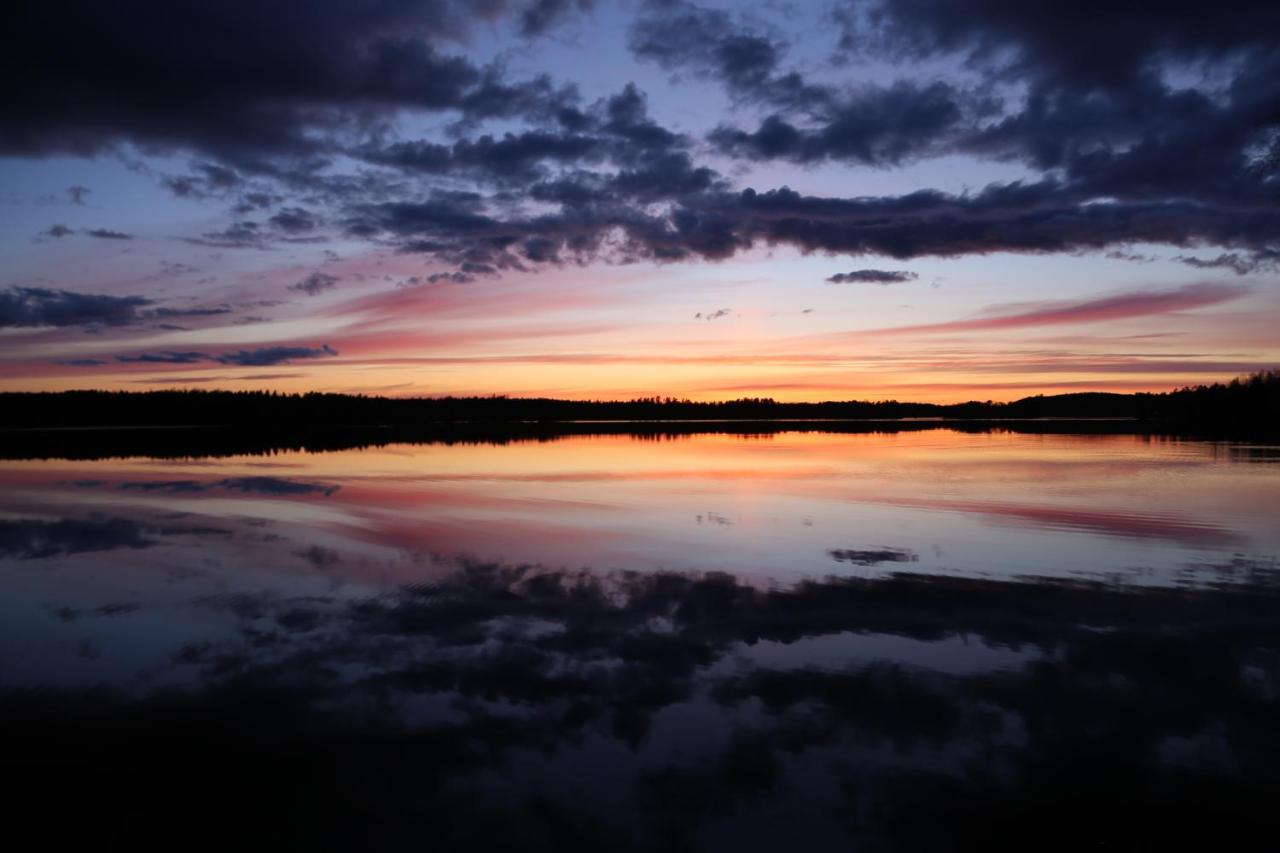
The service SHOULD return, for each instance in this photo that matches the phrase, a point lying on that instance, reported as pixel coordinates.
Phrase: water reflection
(931, 641)
(544, 710)
(775, 506)
(30, 539)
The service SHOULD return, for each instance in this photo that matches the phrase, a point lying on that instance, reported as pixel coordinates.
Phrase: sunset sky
(911, 199)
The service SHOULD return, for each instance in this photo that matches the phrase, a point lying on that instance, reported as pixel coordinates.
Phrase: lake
(885, 638)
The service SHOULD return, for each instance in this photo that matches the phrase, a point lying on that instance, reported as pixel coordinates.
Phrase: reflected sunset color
(774, 508)
(708, 640)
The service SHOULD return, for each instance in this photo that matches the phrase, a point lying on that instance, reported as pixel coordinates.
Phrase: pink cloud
(1120, 306)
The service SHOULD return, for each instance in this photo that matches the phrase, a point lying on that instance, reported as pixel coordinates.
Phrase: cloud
(315, 284)
(264, 356)
(510, 157)
(245, 234)
(199, 311)
(876, 126)
(294, 220)
(870, 123)
(1237, 263)
(77, 194)
(36, 306)
(1123, 121)
(1162, 135)
(145, 75)
(711, 42)
(165, 358)
(1136, 525)
(541, 15)
(1041, 38)
(703, 221)
(57, 232)
(872, 277)
(107, 234)
(1112, 125)
(1121, 306)
(193, 380)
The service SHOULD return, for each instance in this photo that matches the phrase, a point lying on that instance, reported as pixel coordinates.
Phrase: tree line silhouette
(1250, 403)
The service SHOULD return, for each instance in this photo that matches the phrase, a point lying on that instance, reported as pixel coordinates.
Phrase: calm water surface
(906, 640)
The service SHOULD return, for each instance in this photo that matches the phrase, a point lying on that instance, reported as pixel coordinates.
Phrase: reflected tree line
(271, 439)
(517, 708)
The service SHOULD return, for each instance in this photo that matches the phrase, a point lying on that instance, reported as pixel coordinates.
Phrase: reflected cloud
(34, 539)
(874, 557)
(269, 486)
(1130, 524)
(451, 703)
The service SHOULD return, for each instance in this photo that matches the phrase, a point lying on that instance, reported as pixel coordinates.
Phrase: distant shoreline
(1248, 406)
(595, 421)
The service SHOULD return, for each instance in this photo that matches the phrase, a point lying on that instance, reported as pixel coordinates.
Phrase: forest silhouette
(1248, 404)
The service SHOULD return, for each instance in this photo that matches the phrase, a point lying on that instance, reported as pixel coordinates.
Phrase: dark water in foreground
(924, 640)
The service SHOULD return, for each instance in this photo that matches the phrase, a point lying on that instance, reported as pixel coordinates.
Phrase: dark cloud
(873, 277)
(869, 123)
(877, 126)
(315, 284)
(1119, 119)
(59, 231)
(294, 220)
(1115, 124)
(513, 156)
(1118, 175)
(273, 355)
(617, 131)
(1162, 135)
(1041, 217)
(302, 74)
(245, 234)
(1237, 263)
(708, 223)
(37, 306)
(199, 311)
(541, 15)
(203, 181)
(260, 357)
(169, 357)
(1042, 39)
(77, 193)
(256, 200)
(712, 42)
